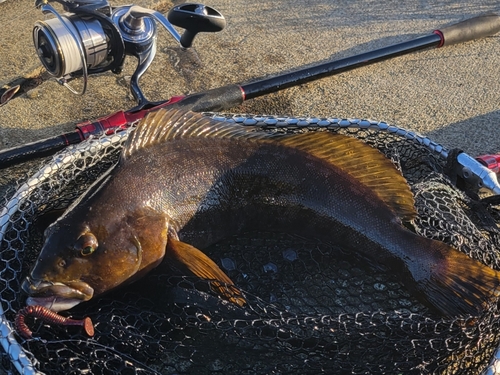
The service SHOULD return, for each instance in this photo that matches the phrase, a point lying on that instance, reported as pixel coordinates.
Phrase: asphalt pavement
(450, 94)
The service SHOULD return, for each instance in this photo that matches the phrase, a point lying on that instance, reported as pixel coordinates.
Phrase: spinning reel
(93, 37)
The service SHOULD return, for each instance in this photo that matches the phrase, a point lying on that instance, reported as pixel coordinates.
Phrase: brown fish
(185, 181)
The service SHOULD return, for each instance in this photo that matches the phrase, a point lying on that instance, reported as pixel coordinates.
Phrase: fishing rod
(117, 22)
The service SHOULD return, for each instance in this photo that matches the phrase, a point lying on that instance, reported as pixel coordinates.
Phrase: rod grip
(474, 28)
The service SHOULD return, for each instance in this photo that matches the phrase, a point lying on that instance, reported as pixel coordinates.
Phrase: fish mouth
(56, 296)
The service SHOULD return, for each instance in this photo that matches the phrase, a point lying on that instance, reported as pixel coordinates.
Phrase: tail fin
(459, 285)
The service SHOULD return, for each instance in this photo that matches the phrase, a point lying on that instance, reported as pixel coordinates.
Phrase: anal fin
(195, 261)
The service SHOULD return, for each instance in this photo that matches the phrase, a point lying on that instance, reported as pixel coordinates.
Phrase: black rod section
(37, 149)
(297, 77)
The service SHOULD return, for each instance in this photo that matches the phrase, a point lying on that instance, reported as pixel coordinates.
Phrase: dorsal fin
(169, 124)
(363, 162)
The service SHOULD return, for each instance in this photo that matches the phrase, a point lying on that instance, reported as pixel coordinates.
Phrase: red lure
(48, 316)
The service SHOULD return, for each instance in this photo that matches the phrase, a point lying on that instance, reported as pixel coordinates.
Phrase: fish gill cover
(311, 308)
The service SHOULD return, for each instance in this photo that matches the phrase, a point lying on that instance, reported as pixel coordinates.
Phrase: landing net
(310, 310)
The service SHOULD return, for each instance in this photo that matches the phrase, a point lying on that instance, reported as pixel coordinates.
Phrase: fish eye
(87, 250)
(87, 244)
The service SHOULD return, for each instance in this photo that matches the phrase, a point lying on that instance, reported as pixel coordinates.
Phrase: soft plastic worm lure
(48, 316)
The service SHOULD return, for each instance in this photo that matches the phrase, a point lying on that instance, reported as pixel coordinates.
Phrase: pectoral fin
(196, 262)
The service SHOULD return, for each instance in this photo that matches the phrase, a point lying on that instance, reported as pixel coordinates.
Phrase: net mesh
(311, 308)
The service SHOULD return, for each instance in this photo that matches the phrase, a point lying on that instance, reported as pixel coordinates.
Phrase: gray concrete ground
(450, 94)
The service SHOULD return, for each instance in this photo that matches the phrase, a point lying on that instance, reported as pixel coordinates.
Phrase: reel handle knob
(195, 18)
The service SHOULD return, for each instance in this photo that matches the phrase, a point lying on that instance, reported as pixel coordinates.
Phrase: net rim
(65, 159)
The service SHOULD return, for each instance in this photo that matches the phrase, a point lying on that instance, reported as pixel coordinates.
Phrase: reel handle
(195, 18)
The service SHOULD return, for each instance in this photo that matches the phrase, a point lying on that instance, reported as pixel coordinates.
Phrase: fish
(185, 181)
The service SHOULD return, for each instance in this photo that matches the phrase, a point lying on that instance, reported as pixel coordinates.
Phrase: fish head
(101, 252)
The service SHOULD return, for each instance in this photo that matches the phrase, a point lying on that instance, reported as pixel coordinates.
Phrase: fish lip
(53, 303)
(43, 289)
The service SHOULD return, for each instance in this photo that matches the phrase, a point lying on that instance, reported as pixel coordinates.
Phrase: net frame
(25, 362)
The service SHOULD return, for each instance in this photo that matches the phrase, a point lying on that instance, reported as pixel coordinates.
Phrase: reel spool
(80, 42)
(94, 37)
(59, 51)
